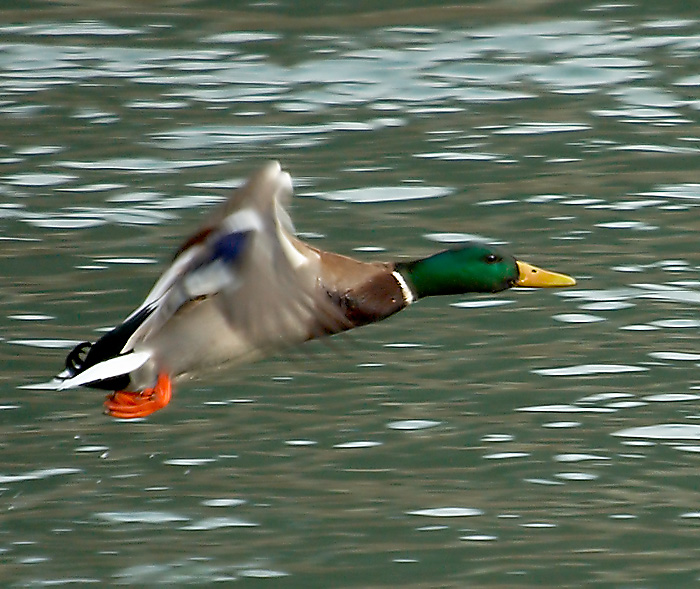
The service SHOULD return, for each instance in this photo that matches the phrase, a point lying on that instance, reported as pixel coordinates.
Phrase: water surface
(523, 439)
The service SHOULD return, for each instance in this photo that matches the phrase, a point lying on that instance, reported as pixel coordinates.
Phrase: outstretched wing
(248, 263)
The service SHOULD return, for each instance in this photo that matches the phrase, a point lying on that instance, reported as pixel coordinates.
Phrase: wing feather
(247, 262)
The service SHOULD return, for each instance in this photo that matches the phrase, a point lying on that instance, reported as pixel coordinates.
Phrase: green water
(530, 438)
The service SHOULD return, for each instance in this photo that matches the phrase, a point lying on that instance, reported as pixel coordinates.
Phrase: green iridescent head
(474, 267)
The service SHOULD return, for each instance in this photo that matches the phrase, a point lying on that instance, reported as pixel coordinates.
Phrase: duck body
(244, 286)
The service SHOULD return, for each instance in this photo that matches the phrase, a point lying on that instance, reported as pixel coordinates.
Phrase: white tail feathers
(108, 369)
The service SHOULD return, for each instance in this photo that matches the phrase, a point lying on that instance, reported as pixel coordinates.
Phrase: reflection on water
(519, 439)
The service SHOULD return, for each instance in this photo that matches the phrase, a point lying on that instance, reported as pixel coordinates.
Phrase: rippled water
(520, 439)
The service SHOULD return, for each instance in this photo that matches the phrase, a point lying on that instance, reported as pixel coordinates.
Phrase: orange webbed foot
(128, 405)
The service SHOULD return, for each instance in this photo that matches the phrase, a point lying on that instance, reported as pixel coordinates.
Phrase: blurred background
(529, 438)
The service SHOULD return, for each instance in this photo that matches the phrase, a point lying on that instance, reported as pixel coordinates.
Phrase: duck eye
(492, 258)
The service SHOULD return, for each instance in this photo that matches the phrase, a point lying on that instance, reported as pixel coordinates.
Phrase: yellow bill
(535, 277)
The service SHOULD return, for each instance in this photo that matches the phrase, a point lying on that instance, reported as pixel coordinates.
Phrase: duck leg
(128, 405)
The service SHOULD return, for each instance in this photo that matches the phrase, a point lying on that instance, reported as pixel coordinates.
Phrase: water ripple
(84, 217)
(606, 306)
(141, 517)
(577, 318)
(689, 191)
(576, 476)
(242, 37)
(216, 523)
(681, 356)
(30, 317)
(412, 424)
(189, 461)
(141, 165)
(589, 369)
(379, 194)
(211, 136)
(78, 29)
(223, 502)
(486, 303)
(677, 323)
(562, 408)
(479, 538)
(447, 512)
(579, 457)
(542, 128)
(39, 179)
(668, 431)
(506, 455)
(35, 475)
(49, 344)
(452, 237)
(671, 397)
(360, 444)
(263, 574)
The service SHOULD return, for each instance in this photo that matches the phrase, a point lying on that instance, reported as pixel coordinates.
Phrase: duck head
(475, 267)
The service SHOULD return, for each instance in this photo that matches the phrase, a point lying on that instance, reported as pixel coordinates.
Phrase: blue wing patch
(229, 247)
(217, 269)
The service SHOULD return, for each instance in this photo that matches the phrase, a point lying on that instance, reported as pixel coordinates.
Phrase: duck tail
(109, 374)
(106, 364)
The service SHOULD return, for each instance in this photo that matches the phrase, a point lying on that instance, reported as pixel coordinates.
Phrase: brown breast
(364, 292)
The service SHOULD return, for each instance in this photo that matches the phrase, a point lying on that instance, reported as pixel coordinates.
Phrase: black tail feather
(110, 345)
(75, 361)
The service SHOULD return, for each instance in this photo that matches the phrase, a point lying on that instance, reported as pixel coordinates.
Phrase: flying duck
(244, 286)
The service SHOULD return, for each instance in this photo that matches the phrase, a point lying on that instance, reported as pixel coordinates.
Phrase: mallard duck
(245, 285)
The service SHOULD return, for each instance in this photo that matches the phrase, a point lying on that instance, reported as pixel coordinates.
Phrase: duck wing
(247, 262)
